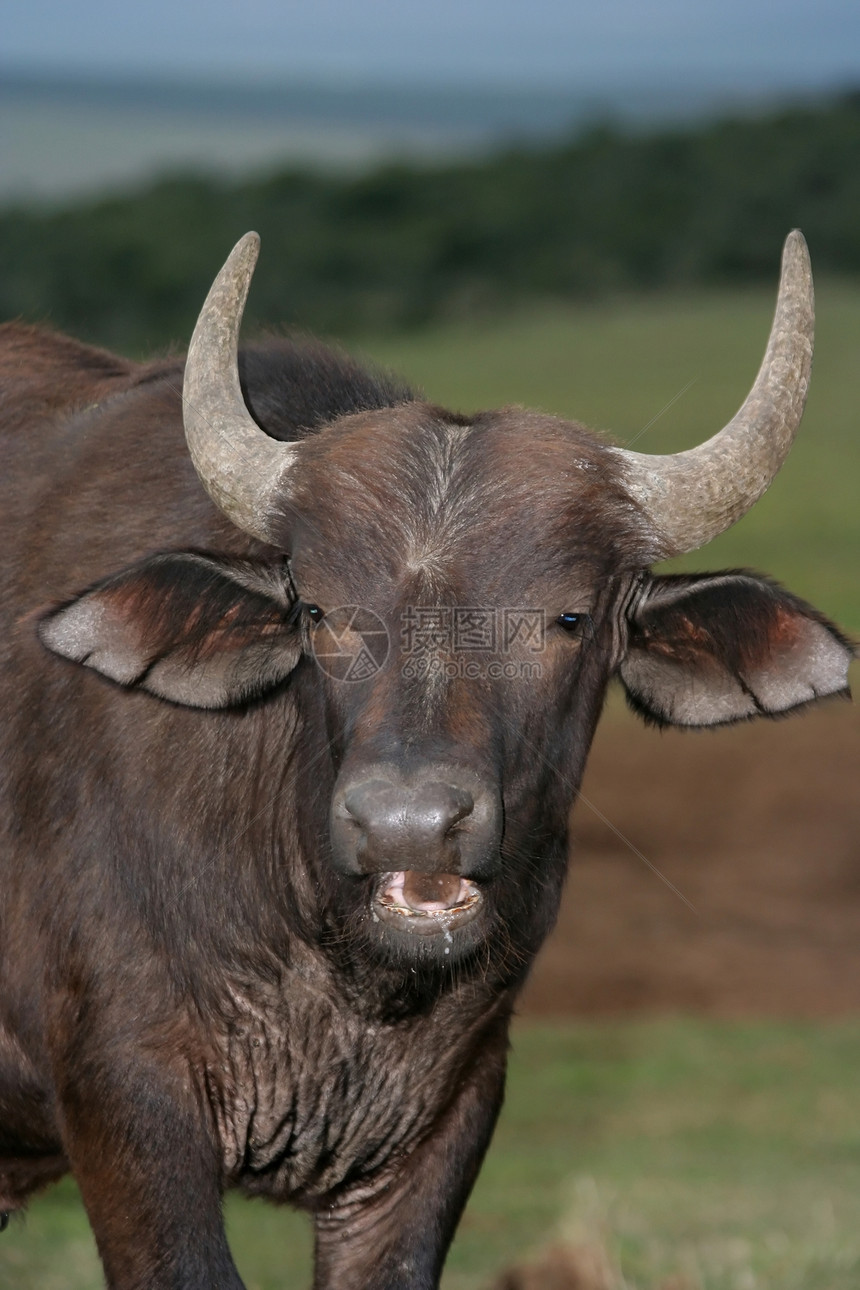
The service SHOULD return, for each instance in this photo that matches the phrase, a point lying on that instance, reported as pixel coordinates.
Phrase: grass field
(699, 1155)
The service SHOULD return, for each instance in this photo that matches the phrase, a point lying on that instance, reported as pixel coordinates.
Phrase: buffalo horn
(691, 497)
(242, 469)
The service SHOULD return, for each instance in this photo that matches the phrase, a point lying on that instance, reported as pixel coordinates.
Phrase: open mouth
(425, 904)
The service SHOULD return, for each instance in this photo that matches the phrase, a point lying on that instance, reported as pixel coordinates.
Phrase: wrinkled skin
(227, 959)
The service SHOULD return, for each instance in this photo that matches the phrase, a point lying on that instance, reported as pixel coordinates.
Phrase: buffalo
(299, 676)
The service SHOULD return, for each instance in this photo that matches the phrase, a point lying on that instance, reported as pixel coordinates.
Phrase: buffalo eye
(570, 622)
(314, 613)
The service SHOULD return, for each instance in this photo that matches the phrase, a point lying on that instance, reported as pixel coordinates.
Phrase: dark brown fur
(192, 996)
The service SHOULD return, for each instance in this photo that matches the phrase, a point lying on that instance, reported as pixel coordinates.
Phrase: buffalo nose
(382, 822)
(399, 820)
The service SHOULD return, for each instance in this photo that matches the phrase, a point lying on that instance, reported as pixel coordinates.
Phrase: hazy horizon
(95, 97)
(71, 134)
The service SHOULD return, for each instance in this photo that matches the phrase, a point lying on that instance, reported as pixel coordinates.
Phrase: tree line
(406, 245)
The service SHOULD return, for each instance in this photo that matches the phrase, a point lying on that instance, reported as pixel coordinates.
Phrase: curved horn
(691, 497)
(240, 466)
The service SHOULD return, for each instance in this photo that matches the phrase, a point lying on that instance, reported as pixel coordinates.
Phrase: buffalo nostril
(461, 803)
(366, 803)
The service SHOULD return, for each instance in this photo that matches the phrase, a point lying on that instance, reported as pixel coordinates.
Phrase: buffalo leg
(398, 1239)
(149, 1177)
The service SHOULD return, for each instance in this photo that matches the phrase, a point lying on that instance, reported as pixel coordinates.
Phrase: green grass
(618, 367)
(727, 1153)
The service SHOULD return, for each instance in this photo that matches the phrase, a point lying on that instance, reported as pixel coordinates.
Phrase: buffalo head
(444, 599)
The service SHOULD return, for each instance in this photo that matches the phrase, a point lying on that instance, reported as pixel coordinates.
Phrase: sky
(741, 45)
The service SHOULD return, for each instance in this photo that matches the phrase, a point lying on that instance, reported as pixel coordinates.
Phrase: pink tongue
(430, 892)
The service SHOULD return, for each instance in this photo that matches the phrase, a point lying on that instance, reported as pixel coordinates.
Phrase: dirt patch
(573, 1267)
(758, 827)
(562, 1267)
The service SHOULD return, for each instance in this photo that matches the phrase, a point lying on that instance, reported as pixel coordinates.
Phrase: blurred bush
(406, 245)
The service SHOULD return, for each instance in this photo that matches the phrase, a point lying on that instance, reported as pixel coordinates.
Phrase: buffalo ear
(712, 648)
(200, 631)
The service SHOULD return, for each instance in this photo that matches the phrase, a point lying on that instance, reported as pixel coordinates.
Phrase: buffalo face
(493, 574)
